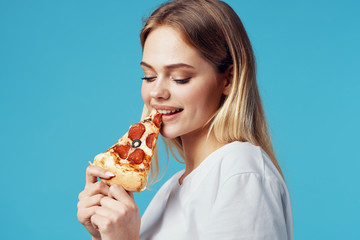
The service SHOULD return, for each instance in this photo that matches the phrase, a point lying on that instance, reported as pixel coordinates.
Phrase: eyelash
(180, 81)
(148, 79)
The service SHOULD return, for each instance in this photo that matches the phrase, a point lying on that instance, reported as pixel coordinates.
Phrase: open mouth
(170, 112)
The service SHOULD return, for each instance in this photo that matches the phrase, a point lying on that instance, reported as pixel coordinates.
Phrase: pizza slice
(130, 157)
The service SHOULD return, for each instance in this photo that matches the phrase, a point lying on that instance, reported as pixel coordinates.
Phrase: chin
(167, 133)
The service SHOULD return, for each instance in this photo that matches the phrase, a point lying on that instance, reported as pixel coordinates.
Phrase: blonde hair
(212, 27)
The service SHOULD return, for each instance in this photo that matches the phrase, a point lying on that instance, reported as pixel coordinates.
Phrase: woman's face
(179, 83)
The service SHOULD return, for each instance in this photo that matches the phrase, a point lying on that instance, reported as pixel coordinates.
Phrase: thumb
(118, 192)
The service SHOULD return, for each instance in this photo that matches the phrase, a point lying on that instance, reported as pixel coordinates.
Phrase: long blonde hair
(216, 31)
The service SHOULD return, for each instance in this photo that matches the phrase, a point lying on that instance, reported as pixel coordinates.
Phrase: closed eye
(148, 79)
(182, 81)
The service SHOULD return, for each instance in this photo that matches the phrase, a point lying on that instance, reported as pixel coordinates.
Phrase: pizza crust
(129, 179)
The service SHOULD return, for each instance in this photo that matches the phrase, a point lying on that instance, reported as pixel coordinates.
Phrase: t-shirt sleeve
(247, 207)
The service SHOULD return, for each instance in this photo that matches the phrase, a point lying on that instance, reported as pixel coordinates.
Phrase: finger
(100, 222)
(93, 172)
(115, 215)
(90, 201)
(84, 214)
(116, 210)
(93, 189)
(131, 194)
(108, 212)
(119, 193)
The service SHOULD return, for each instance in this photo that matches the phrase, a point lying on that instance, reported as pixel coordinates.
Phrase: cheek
(203, 97)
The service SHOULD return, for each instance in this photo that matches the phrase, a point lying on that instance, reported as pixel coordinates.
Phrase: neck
(197, 146)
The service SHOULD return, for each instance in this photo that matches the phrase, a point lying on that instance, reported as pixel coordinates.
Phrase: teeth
(168, 111)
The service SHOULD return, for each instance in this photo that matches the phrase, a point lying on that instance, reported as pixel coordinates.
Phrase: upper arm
(247, 207)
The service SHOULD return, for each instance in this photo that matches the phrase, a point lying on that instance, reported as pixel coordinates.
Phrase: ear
(228, 79)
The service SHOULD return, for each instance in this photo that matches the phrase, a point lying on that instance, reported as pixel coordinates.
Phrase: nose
(160, 90)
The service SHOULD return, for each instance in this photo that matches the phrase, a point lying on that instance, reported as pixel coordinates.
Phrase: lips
(168, 112)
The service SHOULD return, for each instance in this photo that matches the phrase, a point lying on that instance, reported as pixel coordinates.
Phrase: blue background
(70, 87)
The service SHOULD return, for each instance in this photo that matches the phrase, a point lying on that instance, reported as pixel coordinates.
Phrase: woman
(200, 73)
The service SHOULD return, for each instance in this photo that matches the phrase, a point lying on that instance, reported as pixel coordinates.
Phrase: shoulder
(245, 158)
(249, 186)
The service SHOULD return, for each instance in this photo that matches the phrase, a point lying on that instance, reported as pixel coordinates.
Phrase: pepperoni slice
(137, 156)
(122, 150)
(136, 131)
(157, 119)
(150, 140)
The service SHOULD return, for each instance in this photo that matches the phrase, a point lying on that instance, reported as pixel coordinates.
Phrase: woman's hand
(90, 198)
(118, 216)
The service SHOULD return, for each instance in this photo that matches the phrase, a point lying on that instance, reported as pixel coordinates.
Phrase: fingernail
(110, 174)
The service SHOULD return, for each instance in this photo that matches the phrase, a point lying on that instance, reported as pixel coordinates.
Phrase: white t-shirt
(235, 193)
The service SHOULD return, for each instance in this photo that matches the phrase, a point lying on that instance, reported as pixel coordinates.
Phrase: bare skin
(196, 148)
(106, 212)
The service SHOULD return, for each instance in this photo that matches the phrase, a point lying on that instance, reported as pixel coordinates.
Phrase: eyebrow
(171, 66)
